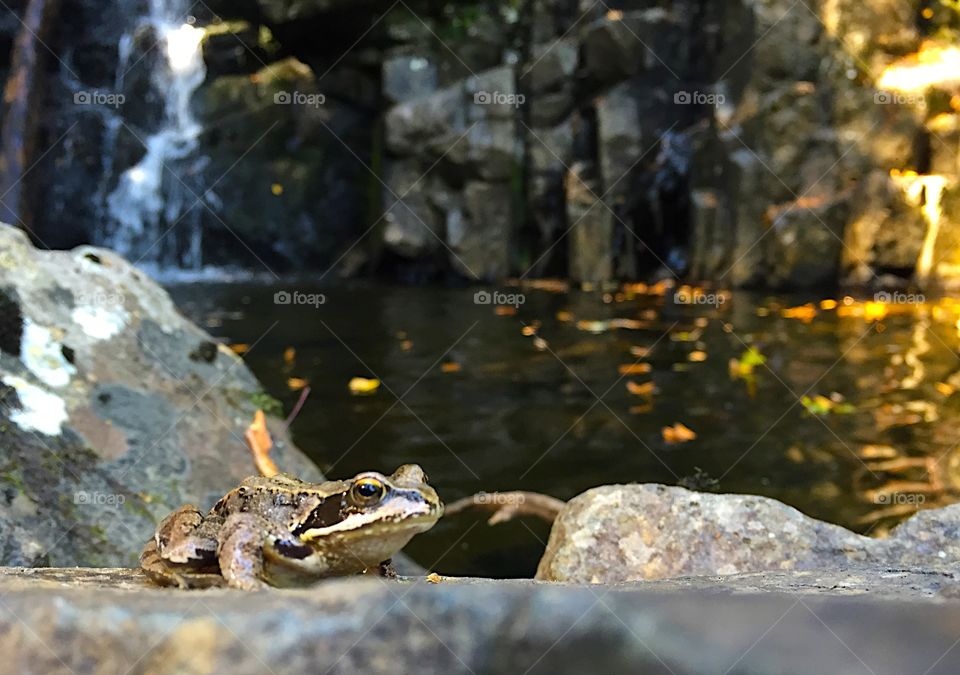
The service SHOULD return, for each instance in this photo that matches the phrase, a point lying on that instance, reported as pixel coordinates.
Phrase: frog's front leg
(240, 553)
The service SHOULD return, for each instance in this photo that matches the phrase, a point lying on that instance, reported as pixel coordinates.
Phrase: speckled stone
(620, 533)
(114, 408)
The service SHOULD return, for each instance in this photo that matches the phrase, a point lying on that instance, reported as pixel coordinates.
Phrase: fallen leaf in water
(528, 331)
(678, 433)
(641, 409)
(828, 304)
(276, 189)
(686, 335)
(566, 317)
(640, 352)
(744, 366)
(406, 345)
(363, 385)
(290, 356)
(296, 383)
(876, 452)
(944, 388)
(450, 367)
(821, 405)
(697, 356)
(615, 15)
(634, 368)
(645, 389)
(240, 348)
(504, 310)
(540, 344)
(805, 313)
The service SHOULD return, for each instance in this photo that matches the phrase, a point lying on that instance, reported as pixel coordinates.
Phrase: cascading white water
(153, 211)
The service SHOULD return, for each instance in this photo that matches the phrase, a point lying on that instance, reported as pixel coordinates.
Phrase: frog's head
(374, 515)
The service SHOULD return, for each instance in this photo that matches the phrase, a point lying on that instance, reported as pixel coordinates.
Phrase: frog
(280, 531)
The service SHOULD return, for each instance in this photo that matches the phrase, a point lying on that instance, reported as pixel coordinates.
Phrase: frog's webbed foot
(164, 573)
(186, 537)
(241, 551)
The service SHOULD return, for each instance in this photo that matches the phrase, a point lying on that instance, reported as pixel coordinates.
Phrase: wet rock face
(633, 532)
(114, 409)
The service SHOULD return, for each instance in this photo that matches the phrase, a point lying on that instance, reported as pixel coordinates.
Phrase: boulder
(621, 533)
(479, 235)
(115, 409)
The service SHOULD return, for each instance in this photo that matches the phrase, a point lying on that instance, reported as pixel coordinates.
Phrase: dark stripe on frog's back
(329, 512)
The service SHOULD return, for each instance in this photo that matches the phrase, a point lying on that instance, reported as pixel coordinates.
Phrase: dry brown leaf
(634, 368)
(678, 433)
(240, 348)
(296, 383)
(260, 443)
(645, 389)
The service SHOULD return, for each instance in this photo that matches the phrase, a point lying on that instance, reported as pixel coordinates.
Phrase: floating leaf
(566, 317)
(240, 348)
(641, 409)
(634, 368)
(276, 189)
(944, 388)
(450, 367)
(406, 345)
(505, 310)
(645, 389)
(805, 313)
(296, 383)
(290, 356)
(697, 356)
(678, 433)
(363, 385)
(640, 352)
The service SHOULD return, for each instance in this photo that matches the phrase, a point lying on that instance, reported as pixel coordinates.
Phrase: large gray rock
(107, 621)
(631, 532)
(115, 409)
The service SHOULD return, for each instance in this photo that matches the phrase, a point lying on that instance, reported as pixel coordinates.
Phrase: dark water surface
(549, 411)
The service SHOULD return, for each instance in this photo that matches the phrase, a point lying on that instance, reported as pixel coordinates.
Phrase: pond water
(843, 408)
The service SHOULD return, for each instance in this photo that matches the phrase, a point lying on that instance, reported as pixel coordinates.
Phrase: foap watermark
(299, 98)
(100, 298)
(499, 498)
(899, 298)
(695, 296)
(898, 498)
(299, 298)
(95, 97)
(85, 498)
(499, 98)
(498, 298)
(898, 98)
(698, 98)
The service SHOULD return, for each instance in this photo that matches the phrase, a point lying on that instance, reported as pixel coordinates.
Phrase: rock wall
(751, 142)
(114, 409)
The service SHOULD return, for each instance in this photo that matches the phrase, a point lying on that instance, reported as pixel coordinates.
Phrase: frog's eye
(367, 491)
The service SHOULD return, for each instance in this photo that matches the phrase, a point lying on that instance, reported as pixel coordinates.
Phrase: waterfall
(152, 216)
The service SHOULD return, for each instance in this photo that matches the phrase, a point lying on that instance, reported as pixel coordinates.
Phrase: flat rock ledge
(870, 619)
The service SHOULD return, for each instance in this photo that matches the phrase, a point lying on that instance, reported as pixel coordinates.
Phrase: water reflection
(846, 411)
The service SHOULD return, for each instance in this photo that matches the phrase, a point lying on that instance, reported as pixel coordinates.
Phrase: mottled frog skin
(281, 531)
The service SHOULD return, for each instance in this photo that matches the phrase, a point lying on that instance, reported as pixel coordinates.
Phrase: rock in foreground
(620, 533)
(114, 409)
(107, 621)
